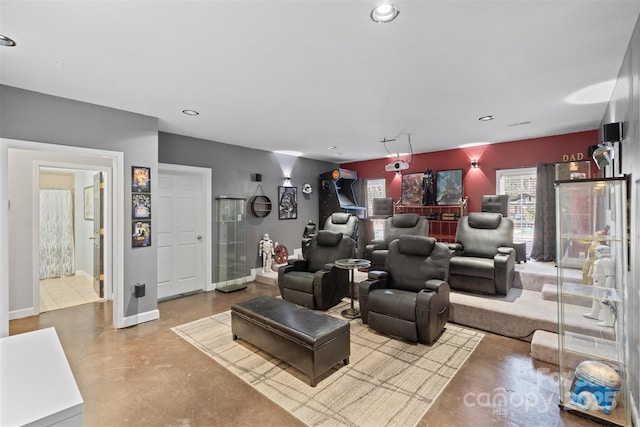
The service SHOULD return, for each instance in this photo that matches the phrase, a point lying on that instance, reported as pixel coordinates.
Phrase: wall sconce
(287, 180)
(474, 163)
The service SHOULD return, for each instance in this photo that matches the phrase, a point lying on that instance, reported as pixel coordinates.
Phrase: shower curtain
(56, 234)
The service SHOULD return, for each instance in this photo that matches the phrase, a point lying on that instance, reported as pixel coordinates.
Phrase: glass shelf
(593, 292)
(592, 347)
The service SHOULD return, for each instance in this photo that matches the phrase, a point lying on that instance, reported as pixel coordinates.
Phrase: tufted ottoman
(310, 341)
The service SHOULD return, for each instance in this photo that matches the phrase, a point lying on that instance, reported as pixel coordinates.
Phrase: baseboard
(85, 275)
(19, 314)
(136, 319)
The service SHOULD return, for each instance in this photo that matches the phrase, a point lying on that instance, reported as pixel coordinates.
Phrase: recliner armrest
(374, 245)
(434, 284)
(455, 249)
(506, 250)
(292, 265)
(377, 275)
(364, 288)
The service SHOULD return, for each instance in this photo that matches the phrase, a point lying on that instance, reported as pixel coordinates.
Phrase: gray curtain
(544, 234)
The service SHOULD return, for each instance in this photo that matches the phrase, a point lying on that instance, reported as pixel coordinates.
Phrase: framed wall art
(141, 206)
(411, 189)
(140, 179)
(287, 202)
(449, 187)
(141, 234)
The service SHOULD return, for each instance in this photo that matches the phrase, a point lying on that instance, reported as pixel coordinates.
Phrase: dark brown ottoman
(307, 340)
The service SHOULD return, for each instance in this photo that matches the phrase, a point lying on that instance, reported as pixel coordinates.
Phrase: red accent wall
(476, 182)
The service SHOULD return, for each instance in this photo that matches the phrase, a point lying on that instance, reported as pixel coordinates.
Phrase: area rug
(387, 382)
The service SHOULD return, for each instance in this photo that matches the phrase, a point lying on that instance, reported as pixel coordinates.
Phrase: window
(376, 188)
(520, 185)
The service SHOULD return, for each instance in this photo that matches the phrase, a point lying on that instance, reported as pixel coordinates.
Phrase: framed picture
(88, 203)
(287, 202)
(141, 206)
(449, 187)
(140, 179)
(140, 234)
(411, 189)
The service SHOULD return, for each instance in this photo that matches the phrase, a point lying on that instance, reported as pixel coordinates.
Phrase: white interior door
(180, 217)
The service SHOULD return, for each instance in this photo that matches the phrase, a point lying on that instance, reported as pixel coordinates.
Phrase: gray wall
(625, 107)
(232, 170)
(33, 116)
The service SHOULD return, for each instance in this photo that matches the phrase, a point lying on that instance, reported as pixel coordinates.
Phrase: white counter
(37, 387)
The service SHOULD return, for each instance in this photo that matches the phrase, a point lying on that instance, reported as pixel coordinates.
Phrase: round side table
(352, 264)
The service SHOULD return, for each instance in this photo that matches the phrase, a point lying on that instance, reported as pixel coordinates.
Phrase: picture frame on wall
(411, 189)
(88, 203)
(287, 202)
(140, 234)
(449, 187)
(140, 179)
(141, 206)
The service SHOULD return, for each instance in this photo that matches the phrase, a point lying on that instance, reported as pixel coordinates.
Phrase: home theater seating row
(406, 294)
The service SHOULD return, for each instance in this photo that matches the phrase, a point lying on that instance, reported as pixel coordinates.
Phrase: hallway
(68, 291)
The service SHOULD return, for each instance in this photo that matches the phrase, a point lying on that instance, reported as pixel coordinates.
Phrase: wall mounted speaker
(612, 132)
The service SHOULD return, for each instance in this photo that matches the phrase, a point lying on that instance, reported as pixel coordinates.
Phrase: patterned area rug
(387, 382)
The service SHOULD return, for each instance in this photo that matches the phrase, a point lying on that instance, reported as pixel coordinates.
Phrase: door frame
(205, 175)
(114, 209)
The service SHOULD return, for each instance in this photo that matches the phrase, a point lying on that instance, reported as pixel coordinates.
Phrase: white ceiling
(306, 75)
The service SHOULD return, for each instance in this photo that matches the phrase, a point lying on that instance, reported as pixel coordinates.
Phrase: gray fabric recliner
(315, 282)
(394, 227)
(410, 299)
(483, 259)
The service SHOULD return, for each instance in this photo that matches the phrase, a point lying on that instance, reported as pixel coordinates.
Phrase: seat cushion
(472, 266)
(393, 303)
(299, 281)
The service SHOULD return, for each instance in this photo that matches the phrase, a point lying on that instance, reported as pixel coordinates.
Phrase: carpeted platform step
(519, 314)
(550, 293)
(544, 347)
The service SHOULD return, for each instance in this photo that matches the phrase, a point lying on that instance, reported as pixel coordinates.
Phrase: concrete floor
(146, 375)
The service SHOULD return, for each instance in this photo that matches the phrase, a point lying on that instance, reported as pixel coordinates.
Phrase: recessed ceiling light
(6, 41)
(385, 12)
(333, 147)
(190, 112)
(486, 118)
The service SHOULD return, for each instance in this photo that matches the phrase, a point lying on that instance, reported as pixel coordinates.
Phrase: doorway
(70, 243)
(19, 264)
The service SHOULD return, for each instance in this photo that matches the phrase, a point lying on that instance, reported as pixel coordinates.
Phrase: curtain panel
(57, 251)
(544, 234)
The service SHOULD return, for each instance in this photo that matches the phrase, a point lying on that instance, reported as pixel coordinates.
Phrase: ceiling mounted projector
(397, 166)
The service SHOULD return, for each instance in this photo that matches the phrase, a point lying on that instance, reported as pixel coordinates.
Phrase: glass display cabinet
(231, 270)
(591, 216)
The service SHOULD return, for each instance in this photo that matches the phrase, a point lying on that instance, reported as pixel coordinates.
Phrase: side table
(352, 264)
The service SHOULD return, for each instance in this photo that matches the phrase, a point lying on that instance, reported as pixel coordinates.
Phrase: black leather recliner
(315, 282)
(342, 222)
(394, 227)
(410, 299)
(339, 222)
(483, 259)
(496, 203)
